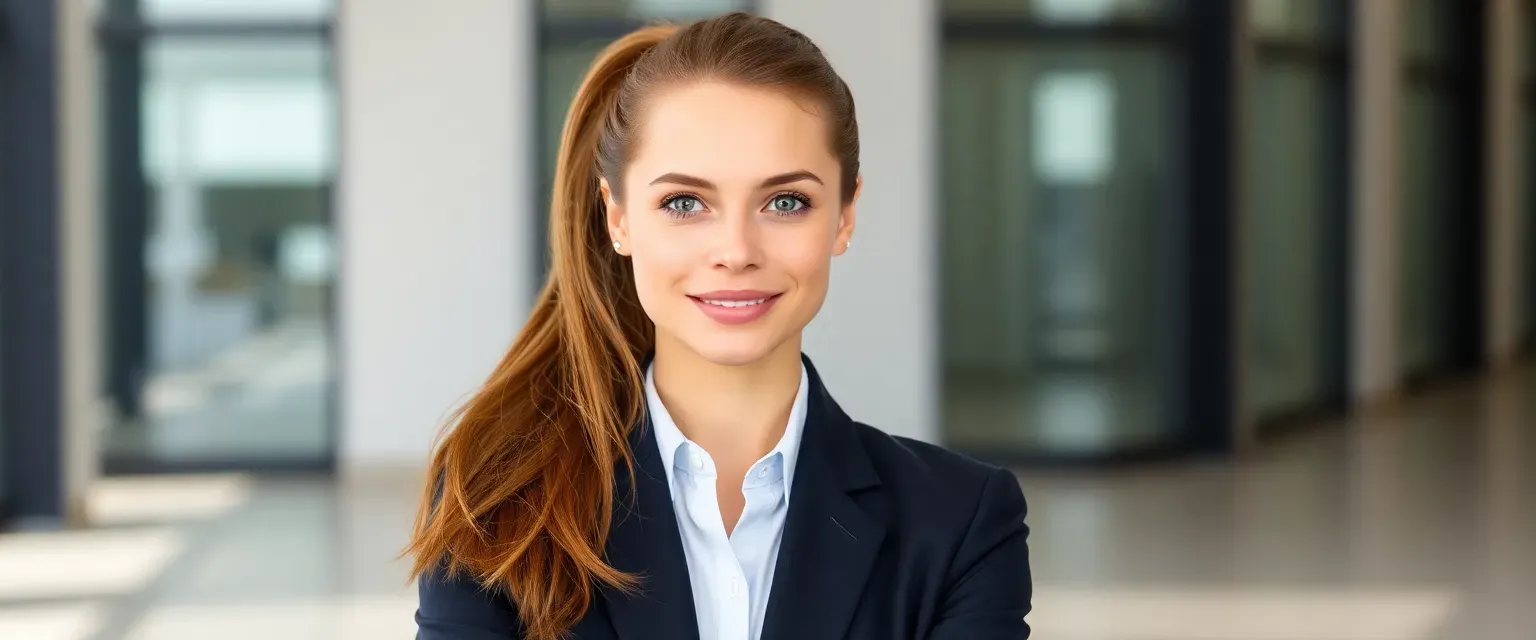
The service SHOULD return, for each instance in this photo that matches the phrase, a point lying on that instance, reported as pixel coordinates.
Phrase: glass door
(1440, 255)
(221, 141)
(1293, 234)
(1060, 176)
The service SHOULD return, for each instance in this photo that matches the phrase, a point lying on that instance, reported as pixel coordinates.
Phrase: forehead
(725, 131)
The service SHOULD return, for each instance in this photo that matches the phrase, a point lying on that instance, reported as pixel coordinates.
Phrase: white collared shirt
(731, 574)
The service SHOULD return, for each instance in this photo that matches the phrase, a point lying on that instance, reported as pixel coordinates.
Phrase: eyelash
(666, 204)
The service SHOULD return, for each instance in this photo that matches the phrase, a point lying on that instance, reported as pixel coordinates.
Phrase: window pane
(1425, 30)
(1290, 219)
(239, 158)
(641, 9)
(1297, 19)
(1057, 170)
(1424, 259)
(1065, 11)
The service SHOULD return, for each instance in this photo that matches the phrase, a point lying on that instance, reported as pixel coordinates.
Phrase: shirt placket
(733, 616)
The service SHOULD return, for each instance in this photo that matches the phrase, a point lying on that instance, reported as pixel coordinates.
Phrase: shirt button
(735, 588)
(697, 461)
(763, 472)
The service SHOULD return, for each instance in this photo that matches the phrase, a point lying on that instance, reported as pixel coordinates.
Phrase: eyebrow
(700, 183)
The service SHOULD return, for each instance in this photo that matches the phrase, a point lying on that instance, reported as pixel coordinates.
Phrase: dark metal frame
(1462, 76)
(1209, 352)
(1329, 54)
(31, 351)
(1199, 357)
(122, 33)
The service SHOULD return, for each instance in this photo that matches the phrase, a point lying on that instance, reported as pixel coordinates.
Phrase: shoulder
(940, 484)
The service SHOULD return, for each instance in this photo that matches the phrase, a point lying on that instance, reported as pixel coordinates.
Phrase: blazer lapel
(644, 541)
(830, 541)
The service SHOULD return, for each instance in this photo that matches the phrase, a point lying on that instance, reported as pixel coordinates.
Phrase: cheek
(660, 263)
(805, 253)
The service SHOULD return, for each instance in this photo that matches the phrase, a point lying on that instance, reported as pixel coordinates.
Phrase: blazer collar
(830, 538)
(829, 545)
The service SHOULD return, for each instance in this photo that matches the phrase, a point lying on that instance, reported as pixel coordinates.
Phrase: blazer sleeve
(458, 608)
(989, 583)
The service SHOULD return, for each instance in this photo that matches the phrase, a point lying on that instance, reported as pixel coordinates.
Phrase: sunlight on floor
(164, 499)
(54, 622)
(1158, 613)
(75, 564)
(350, 618)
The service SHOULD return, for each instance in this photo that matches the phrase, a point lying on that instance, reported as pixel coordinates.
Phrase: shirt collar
(669, 438)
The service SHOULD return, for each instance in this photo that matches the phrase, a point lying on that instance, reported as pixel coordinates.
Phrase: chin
(731, 351)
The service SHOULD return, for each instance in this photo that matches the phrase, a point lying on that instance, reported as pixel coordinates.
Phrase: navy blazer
(886, 538)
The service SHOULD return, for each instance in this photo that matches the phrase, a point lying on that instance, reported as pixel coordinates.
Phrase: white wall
(876, 338)
(1504, 266)
(1376, 121)
(434, 200)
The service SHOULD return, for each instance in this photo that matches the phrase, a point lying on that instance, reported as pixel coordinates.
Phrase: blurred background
(1245, 290)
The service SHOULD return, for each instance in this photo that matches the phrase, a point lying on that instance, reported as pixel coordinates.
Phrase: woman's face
(730, 212)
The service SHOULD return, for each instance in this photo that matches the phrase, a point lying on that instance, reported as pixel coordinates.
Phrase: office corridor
(1418, 522)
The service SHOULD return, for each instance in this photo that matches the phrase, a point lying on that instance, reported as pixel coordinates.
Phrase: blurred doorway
(1063, 190)
(1294, 239)
(1441, 310)
(220, 142)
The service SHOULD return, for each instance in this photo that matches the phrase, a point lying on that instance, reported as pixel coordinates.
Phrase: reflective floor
(1415, 524)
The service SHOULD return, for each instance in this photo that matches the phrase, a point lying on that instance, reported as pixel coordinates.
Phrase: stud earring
(848, 244)
(616, 245)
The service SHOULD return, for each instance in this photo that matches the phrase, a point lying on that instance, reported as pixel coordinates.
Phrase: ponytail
(524, 482)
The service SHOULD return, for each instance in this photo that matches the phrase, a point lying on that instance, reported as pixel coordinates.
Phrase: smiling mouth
(735, 307)
(733, 304)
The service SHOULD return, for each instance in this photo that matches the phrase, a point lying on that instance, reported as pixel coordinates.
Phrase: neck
(735, 412)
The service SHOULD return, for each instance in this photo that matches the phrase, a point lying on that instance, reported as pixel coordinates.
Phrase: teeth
(735, 303)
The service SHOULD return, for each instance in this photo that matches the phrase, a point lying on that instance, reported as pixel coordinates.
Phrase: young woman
(654, 458)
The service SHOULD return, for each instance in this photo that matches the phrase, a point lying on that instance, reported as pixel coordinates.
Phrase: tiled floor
(1415, 524)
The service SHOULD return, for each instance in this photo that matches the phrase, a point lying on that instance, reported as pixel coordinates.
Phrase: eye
(788, 204)
(682, 205)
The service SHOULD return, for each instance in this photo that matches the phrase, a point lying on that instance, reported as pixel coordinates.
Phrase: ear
(618, 223)
(846, 219)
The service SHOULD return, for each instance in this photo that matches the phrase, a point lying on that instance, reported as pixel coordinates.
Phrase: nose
(737, 243)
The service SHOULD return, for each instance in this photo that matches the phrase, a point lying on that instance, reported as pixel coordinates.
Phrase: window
(221, 155)
(1062, 181)
(1440, 302)
(1294, 235)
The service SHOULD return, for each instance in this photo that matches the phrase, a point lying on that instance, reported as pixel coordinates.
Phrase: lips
(735, 307)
